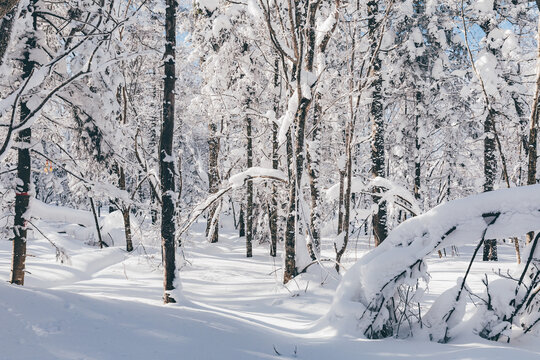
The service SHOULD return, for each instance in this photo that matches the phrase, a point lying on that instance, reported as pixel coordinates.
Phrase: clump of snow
(446, 313)
(256, 172)
(486, 63)
(287, 119)
(483, 6)
(211, 5)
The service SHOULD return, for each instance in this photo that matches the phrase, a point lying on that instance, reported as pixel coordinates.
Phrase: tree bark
(290, 228)
(313, 163)
(490, 170)
(212, 223)
(22, 192)
(6, 6)
(125, 210)
(167, 170)
(379, 219)
(6, 26)
(273, 209)
(241, 222)
(22, 199)
(249, 207)
(533, 130)
(346, 196)
(121, 97)
(341, 206)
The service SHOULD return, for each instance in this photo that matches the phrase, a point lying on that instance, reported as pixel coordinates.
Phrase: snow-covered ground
(106, 304)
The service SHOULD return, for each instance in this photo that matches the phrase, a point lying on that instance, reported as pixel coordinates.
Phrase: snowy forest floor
(106, 304)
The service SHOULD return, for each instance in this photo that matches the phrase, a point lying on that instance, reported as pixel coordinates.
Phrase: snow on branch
(392, 193)
(235, 182)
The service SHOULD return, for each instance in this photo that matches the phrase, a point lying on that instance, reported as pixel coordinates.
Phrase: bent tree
(382, 299)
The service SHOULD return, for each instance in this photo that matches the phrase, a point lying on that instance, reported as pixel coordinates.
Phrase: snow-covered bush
(511, 301)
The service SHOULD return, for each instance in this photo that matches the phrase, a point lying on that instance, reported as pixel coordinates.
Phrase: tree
(166, 159)
(377, 125)
(24, 136)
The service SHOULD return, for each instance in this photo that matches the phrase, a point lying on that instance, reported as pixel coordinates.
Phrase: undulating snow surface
(106, 304)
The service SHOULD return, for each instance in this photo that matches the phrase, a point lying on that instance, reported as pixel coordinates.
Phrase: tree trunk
(22, 192)
(290, 228)
(22, 199)
(166, 162)
(490, 172)
(249, 207)
(96, 223)
(6, 6)
(313, 163)
(121, 97)
(346, 196)
(377, 125)
(417, 168)
(212, 223)
(533, 131)
(6, 25)
(341, 206)
(241, 222)
(273, 209)
(125, 210)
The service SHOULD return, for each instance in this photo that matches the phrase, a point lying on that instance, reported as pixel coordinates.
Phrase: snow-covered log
(378, 292)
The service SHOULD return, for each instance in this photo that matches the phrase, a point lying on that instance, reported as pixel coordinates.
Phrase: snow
(287, 119)
(254, 172)
(392, 191)
(106, 303)
(255, 10)
(325, 27)
(486, 63)
(484, 6)
(211, 5)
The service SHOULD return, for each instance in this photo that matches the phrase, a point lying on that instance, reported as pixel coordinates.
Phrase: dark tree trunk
(341, 205)
(290, 227)
(212, 223)
(96, 223)
(22, 191)
(6, 25)
(273, 212)
(313, 163)
(121, 97)
(377, 123)
(249, 207)
(125, 210)
(533, 130)
(273, 209)
(22, 198)
(241, 222)
(166, 162)
(6, 6)
(490, 172)
(346, 196)
(417, 168)
(294, 192)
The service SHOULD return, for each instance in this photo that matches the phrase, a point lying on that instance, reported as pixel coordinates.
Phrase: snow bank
(61, 213)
